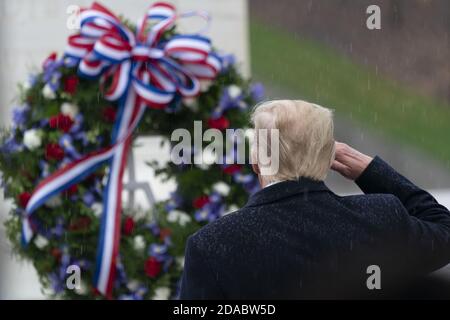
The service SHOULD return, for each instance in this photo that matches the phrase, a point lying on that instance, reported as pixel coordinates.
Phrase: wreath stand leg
(132, 185)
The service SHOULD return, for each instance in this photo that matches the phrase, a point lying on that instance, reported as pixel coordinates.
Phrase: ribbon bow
(144, 69)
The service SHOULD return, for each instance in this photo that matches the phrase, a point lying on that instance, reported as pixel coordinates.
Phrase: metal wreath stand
(133, 185)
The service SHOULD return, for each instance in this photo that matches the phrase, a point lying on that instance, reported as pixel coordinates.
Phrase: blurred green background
(392, 82)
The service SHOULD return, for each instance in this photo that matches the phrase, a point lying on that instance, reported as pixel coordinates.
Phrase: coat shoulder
(220, 231)
(377, 207)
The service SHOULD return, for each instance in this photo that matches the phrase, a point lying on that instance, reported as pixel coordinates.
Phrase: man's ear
(255, 168)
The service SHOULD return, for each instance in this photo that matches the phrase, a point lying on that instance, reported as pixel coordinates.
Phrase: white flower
(133, 285)
(26, 85)
(69, 109)
(54, 202)
(40, 242)
(180, 261)
(204, 85)
(161, 293)
(189, 102)
(48, 92)
(172, 216)
(222, 188)
(234, 91)
(179, 216)
(82, 289)
(97, 207)
(32, 139)
(183, 219)
(139, 243)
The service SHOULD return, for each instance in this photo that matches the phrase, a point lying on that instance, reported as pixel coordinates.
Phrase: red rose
(200, 202)
(56, 253)
(52, 57)
(220, 123)
(232, 168)
(23, 199)
(70, 84)
(61, 122)
(164, 233)
(152, 267)
(95, 292)
(71, 190)
(54, 152)
(80, 224)
(109, 114)
(128, 226)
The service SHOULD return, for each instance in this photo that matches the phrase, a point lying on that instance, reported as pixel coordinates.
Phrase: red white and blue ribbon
(145, 70)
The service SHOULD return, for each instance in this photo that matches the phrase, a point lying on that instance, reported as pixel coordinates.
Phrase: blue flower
(159, 251)
(45, 168)
(212, 210)
(59, 229)
(137, 294)
(227, 61)
(58, 278)
(32, 79)
(52, 75)
(88, 198)
(83, 264)
(66, 142)
(154, 228)
(56, 282)
(257, 91)
(11, 145)
(20, 116)
(121, 274)
(175, 201)
(77, 125)
(231, 98)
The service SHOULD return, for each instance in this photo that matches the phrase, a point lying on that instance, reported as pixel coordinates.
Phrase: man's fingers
(339, 167)
(349, 162)
(340, 150)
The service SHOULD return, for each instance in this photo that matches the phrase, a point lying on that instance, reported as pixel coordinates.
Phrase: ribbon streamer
(145, 70)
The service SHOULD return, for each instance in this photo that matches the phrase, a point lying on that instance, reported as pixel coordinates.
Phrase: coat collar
(286, 189)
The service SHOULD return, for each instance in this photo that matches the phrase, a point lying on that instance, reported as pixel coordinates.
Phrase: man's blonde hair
(306, 140)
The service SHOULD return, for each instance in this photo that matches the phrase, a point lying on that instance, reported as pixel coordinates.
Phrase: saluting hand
(349, 162)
